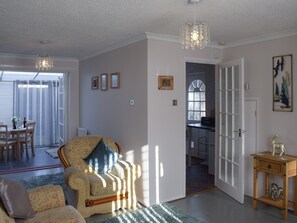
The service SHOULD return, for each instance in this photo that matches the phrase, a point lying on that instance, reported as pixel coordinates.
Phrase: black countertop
(200, 126)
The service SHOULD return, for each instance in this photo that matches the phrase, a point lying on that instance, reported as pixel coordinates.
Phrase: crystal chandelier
(44, 62)
(194, 35)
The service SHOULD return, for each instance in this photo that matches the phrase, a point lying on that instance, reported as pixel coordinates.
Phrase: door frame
(215, 62)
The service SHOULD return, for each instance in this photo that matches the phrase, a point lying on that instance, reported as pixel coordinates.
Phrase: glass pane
(190, 96)
(191, 115)
(236, 176)
(191, 106)
(230, 101)
(203, 114)
(230, 126)
(223, 101)
(197, 96)
(197, 116)
(229, 149)
(223, 125)
(236, 152)
(236, 77)
(202, 106)
(223, 79)
(222, 173)
(202, 88)
(202, 96)
(197, 106)
(236, 102)
(229, 173)
(229, 78)
(223, 147)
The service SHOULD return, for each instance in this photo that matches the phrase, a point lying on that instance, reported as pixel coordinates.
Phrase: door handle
(239, 132)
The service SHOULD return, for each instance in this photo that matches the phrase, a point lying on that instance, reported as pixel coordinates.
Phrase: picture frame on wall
(115, 80)
(94, 84)
(282, 75)
(103, 82)
(165, 82)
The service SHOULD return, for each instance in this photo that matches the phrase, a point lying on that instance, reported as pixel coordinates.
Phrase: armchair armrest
(46, 197)
(76, 179)
(125, 169)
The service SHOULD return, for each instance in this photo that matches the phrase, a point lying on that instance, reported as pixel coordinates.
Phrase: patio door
(230, 157)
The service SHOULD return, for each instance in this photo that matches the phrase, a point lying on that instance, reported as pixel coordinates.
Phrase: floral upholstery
(54, 197)
(90, 192)
(48, 202)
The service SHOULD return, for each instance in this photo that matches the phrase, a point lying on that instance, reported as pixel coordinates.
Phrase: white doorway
(251, 106)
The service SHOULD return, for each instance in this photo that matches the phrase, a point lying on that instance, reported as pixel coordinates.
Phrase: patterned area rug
(158, 213)
(164, 213)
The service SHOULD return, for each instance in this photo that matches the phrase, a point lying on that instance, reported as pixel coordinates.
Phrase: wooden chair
(28, 138)
(6, 142)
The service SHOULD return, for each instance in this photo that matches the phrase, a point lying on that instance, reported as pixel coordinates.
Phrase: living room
(152, 132)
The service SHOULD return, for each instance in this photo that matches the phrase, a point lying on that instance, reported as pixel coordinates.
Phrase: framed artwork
(282, 83)
(115, 80)
(94, 83)
(103, 82)
(165, 82)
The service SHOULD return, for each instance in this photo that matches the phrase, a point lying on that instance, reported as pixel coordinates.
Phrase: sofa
(91, 192)
(48, 203)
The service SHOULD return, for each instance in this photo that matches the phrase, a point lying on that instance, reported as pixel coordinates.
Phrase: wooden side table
(283, 166)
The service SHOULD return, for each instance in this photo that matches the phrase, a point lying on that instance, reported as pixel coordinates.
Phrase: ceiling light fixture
(44, 62)
(194, 35)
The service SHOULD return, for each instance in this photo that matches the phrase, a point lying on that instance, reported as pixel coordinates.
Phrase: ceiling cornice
(175, 39)
(116, 46)
(266, 37)
(23, 56)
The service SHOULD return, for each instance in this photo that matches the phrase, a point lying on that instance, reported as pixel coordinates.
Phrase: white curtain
(38, 100)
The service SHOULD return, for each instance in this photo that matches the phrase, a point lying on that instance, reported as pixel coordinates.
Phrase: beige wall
(167, 125)
(258, 73)
(109, 113)
(152, 131)
(69, 66)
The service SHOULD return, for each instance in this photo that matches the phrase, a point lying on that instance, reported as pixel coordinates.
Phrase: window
(196, 101)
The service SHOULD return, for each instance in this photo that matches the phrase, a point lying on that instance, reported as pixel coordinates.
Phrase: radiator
(81, 131)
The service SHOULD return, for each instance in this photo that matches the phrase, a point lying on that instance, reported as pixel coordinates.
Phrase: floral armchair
(48, 203)
(91, 192)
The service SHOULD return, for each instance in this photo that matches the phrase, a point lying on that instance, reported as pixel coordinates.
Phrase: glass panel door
(231, 116)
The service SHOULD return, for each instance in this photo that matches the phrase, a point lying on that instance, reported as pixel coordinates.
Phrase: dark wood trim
(90, 203)
(62, 158)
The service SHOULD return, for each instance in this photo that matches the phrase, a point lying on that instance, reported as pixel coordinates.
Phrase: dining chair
(6, 142)
(28, 138)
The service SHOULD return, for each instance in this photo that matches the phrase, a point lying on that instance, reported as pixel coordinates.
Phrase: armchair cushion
(46, 197)
(15, 199)
(106, 184)
(102, 158)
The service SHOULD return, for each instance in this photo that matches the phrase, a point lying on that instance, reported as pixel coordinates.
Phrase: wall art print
(282, 72)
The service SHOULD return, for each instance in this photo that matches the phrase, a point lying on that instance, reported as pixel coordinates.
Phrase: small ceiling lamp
(194, 35)
(44, 62)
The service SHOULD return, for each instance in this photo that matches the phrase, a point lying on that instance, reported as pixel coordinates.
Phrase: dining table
(16, 134)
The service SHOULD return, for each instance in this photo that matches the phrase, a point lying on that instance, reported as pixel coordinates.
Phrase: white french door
(230, 157)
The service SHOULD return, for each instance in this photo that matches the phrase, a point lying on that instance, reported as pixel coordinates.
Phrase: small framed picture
(94, 83)
(103, 82)
(165, 82)
(115, 80)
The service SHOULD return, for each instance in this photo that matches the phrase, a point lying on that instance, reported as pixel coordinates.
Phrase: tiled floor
(197, 177)
(40, 159)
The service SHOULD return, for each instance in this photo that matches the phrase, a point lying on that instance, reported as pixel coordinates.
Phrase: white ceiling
(80, 28)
